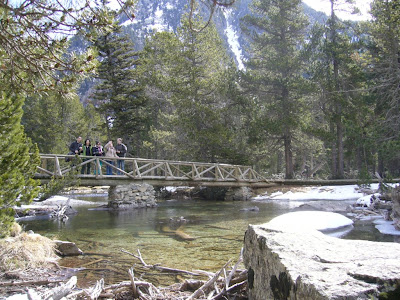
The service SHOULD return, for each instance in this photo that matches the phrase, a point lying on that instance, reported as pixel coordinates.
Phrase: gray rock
(290, 264)
(64, 248)
(252, 208)
(396, 207)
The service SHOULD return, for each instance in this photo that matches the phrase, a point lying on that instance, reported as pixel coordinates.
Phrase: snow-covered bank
(322, 197)
(330, 223)
(61, 200)
(339, 193)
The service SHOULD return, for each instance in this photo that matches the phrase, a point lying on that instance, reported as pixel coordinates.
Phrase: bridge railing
(59, 165)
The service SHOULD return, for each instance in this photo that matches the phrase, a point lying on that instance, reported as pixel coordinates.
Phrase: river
(217, 229)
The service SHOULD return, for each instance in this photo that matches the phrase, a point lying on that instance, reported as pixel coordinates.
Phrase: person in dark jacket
(98, 151)
(121, 152)
(76, 146)
(86, 151)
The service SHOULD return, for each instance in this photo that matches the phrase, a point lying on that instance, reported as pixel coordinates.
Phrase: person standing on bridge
(121, 152)
(86, 151)
(76, 146)
(110, 152)
(98, 151)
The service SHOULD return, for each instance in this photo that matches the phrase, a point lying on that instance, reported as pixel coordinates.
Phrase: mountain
(164, 15)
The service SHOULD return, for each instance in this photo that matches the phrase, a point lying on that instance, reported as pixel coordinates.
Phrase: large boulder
(285, 262)
(396, 207)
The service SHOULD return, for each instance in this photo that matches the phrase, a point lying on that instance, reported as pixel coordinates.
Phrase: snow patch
(233, 39)
(158, 22)
(311, 220)
(339, 193)
(366, 200)
(60, 200)
(386, 227)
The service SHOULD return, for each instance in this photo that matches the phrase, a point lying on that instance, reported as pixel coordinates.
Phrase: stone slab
(294, 264)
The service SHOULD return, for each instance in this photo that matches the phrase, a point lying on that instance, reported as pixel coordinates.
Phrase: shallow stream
(214, 234)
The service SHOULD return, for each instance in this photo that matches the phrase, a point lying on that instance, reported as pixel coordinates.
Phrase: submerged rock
(64, 248)
(292, 263)
(252, 208)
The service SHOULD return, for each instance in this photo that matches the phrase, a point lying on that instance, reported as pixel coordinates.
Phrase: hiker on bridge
(121, 152)
(98, 151)
(86, 151)
(76, 146)
(110, 152)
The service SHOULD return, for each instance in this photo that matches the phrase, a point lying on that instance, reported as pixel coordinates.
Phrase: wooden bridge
(153, 171)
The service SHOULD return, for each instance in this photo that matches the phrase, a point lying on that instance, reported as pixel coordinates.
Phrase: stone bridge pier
(132, 195)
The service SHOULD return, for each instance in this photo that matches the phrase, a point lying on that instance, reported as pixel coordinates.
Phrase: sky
(324, 6)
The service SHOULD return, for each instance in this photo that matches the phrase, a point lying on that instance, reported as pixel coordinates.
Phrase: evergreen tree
(338, 75)
(192, 87)
(55, 120)
(273, 78)
(119, 94)
(157, 61)
(385, 54)
(199, 85)
(17, 165)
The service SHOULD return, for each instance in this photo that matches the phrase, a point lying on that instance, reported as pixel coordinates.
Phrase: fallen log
(30, 282)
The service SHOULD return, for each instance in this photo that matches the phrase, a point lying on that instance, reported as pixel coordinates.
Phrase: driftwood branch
(31, 282)
(134, 289)
(224, 284)
(95, 292)
(202, 290)
(61, 291)
(158, 267)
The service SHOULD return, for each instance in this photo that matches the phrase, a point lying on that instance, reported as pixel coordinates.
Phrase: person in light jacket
(110, 152)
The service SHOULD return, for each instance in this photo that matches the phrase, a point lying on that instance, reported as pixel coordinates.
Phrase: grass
(26, 251)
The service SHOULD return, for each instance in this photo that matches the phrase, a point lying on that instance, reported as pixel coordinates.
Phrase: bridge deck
(165, 173)
(152, 171)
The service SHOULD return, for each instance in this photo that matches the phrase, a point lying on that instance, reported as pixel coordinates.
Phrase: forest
(313, 100)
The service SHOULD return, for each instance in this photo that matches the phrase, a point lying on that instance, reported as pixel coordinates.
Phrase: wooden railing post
(57, 166)
(98, 170)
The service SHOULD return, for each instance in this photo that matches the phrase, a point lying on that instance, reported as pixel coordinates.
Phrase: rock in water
(306, 264)
(65, 248)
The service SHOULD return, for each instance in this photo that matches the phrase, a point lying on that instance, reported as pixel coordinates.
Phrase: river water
(214, 234)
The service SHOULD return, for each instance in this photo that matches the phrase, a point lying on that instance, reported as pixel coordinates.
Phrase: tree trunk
(288, 156)
(340, 150)
(333, 152)
(339, 155)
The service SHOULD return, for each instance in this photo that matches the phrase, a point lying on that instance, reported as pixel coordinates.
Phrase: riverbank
(29, 270)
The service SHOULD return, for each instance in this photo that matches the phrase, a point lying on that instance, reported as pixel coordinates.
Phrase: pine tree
(53, 121)
(273, 77)
(119, 94)
(385, 53)
(198, 85)
(17, 165)
(337, 74)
